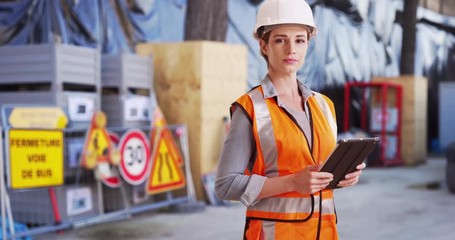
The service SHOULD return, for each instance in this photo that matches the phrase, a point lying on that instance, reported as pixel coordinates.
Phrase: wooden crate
(195, 83)
(414, 117)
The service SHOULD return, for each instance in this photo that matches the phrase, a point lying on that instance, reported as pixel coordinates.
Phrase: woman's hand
(310, 180)
(352, 178)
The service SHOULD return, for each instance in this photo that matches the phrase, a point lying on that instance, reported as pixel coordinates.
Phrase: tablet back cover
(346, 156)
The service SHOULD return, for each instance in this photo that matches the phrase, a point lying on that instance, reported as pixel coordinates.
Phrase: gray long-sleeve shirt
(239, 147)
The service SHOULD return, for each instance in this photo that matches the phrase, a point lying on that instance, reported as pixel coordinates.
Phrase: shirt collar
(270, 91)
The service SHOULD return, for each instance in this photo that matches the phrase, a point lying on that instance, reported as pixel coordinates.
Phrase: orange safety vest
(282, 149)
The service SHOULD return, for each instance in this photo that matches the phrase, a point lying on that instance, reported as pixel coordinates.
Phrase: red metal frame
(383, 87)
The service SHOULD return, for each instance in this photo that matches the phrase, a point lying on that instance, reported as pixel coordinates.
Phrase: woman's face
(286, 48)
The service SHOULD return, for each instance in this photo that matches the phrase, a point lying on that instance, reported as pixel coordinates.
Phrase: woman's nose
(291, 48)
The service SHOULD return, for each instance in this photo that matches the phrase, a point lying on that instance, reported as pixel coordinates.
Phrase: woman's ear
(263, 46)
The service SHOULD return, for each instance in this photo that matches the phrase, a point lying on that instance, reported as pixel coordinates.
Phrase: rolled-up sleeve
(239, 147)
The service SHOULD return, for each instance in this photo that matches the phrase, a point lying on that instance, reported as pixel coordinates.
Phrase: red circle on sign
(135, 151)
(113, 137)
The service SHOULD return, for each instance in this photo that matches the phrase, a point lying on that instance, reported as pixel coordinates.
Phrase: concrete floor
(389, 203)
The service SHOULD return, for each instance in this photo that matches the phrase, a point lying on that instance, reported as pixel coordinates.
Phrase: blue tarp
(18, 228)
(111, 26)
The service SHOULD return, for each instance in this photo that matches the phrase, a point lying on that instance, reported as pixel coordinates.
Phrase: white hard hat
(273, 12)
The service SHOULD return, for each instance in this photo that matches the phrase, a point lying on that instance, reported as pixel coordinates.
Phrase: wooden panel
(195, 83)
(413, 148)
(224, 74)
(414, 117)
(445, 7)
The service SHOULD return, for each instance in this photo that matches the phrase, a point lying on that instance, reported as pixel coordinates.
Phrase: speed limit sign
(135, 151)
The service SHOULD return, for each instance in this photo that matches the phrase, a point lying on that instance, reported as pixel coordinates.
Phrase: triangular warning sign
(159, 122)
(98, 146)
(166, 173)
(98, 152)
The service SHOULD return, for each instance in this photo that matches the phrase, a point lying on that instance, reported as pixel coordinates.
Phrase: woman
(280, 134)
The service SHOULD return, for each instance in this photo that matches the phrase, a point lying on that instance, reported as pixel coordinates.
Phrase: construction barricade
(60, 177)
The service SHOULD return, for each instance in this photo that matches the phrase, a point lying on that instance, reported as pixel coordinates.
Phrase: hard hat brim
(312, 30)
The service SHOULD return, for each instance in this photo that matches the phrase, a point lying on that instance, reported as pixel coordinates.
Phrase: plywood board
(195, 84)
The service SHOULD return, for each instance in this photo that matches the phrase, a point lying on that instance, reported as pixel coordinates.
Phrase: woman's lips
(290, 60)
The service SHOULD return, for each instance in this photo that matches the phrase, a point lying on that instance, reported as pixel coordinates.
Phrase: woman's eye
(301, 41)
(278, 40)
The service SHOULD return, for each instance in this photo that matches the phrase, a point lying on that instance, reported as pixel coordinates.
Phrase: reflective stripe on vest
(327, 113)
(290, 208)
(284, 208)
(265, 132)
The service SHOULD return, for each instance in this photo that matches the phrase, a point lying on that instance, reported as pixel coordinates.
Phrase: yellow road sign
(159, 122)
(99, 153)
(38, 117)
(166, 173)
(98, 146)
(35, 158)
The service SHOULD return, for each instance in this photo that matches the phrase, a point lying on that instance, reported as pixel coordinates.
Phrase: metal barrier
(50, 209)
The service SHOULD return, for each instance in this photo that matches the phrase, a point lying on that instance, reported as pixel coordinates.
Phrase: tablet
(347, 154)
